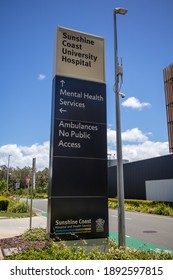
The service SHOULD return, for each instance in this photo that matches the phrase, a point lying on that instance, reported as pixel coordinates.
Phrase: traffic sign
(27, 180)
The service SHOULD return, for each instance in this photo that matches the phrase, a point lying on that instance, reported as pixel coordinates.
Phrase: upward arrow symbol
(62, 82)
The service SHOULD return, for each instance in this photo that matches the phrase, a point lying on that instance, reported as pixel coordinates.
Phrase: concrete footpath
(15, 227)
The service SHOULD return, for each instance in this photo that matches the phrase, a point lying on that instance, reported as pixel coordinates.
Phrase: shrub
(162, 209)
(113, 204)
(60, 251)
(3, 203)
(22, 192)
(18, 207)
(40, 195)
(35, 234)
(147, 206)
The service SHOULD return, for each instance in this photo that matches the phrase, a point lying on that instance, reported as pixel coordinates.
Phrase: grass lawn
(4, 214)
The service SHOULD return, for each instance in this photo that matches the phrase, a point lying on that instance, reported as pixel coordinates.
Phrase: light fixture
(121, 11)
(122, 95)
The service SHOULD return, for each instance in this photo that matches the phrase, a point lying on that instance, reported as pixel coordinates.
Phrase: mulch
(19, 242)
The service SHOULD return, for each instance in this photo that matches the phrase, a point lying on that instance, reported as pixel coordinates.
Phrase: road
(40, 205)
(150, 228)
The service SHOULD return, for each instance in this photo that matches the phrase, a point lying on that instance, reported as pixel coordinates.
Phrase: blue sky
(145, 42)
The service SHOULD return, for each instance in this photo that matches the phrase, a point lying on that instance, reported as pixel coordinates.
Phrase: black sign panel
(80, 218)
(80, 100)
(78, 182)
(79, 139)
(79, 177)
(77, 204)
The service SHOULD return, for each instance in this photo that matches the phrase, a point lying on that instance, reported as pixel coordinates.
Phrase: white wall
(159, 190)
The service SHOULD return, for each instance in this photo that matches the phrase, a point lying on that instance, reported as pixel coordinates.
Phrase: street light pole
(120, 177)
(8, 166)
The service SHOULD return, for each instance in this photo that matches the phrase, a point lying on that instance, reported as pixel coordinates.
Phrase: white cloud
(111, 136)
(134, 103)
(138, 147)
(134, 135)
(130, 135)
(22, 156)
(145, 150)
(41, 77)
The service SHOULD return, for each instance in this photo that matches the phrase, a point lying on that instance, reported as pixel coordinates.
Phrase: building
(145, 179)
(168, 87)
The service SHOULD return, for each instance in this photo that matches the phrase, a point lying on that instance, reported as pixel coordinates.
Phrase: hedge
(3, 203)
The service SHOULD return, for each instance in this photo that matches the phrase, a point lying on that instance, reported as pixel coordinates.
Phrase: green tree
(42, 180)
(2, 186)
(3, 172)
(18, 175)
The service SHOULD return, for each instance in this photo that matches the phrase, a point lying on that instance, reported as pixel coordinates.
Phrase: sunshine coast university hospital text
(77, 56)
